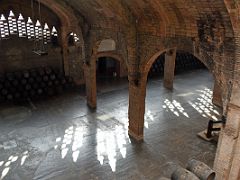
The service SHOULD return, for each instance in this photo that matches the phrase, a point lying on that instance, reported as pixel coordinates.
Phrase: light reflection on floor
(71, 141)
(109, 143)
(175, 107)
(148, 118)
(12, 160)
(203, 105)
(106, 130)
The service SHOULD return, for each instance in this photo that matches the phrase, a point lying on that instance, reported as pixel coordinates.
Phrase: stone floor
(61, 139)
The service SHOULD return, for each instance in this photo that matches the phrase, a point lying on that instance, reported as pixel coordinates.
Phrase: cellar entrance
(108, 74)
(108, 69)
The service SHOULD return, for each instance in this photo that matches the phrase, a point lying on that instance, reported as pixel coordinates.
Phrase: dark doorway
(108, 68)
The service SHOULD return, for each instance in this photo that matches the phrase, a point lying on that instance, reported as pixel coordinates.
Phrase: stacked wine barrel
(187, 62)
(196, 170)
(33, 84)
(184, 61)
(158, 67)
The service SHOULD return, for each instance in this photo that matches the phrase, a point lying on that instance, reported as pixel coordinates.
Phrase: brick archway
(118, 57)
(148, 64)
(69, 23)
(90, 72)
(137, 94)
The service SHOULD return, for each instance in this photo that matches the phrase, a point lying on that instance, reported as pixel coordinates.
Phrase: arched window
(30, 29)
(38, 31)
(21, 26)
(54, 36)
(76, 39)
(4, 27)
(72, 39)
(12, 22)
(46, 34)
(33, 30)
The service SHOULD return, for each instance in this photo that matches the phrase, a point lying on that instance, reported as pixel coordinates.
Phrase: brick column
(217, 95)
(227, 161)
(91, 87)
(169, 68)
(137, 94)
(64, 42)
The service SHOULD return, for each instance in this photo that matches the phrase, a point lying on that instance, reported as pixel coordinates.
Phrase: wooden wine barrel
(26, 74)
(17, 95)
(59, 76)
(33, 83)
(2, 99)
(63, 81)
(15, 82)
(201, 170)
(9, 97)
(59, 89)
(31, 80)
(50, 91)
(41, 71)
(28, 87)
(4, 92)
(43, 85)
(10, 76)
(48, 70)
(25, 94)
(183, 174)
(56, 82)
(32, 93)
(18, 75)
(39, 79)
(40, 92)
(45, 78)
(35, 86)
(33, 73)
(52, 77)
(12, 90)
(20, 88)
(50, 83)
(23, 81)
(2, 78)
(69, 79)
(7, 84)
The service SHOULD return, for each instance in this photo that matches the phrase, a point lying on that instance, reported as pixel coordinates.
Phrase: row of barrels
(183, 62)
(195, 170)
(33, 84)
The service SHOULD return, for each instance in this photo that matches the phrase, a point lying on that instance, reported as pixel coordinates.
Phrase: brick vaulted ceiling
(160, 17)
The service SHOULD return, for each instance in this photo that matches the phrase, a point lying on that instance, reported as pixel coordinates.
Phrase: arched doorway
(184, 63)
(107, 68)
(189, 71)
(173, 119)
(137, 94)
(106, 71)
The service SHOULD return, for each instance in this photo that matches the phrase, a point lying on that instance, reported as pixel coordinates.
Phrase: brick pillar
(217, 95)
(91, 83)
(169, 68)
(136, 111)
(64, 42)
(227, 161)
